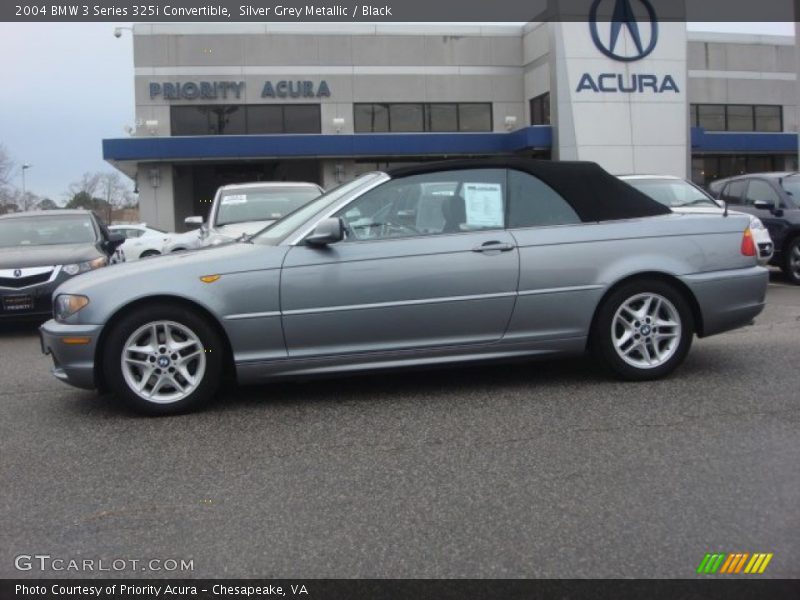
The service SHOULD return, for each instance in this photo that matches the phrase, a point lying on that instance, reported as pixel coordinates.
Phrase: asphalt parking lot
(534, 470)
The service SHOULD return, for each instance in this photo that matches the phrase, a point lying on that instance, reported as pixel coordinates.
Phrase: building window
(737, 117)
(711, 117)
(373, 118)
(416, 117)
(405, 117)
(708, 168)
(769, 118)
(475, 117)
(441, 117)
(740, 118)
(540, 109)
(239, 119)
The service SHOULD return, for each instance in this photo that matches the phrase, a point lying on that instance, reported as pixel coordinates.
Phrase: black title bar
(387, 11)
(732, 588)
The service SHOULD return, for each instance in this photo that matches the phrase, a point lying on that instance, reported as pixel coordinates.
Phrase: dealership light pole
(25, 167)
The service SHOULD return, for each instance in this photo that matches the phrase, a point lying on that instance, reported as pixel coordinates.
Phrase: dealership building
(226, 103)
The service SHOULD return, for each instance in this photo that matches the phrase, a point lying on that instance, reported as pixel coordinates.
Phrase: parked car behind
(775, 199)
(685, 197)
(525, 259)
(40, 250)
(141, 241)
(181, 242)
(246, 208)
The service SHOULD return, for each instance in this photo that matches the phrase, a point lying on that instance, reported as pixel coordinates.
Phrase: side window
(533, 203)
(429, 204)
(761, 190)
(734, 191)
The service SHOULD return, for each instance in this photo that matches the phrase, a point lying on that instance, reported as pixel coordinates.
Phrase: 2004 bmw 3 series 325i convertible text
(438, 263)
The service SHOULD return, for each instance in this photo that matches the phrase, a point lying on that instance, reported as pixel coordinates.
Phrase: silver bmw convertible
(447, 262)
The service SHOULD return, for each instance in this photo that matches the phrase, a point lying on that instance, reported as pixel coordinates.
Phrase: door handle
(494, 246)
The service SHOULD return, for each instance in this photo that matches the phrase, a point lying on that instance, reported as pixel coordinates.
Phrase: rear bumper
(72, 363)
(728, 299)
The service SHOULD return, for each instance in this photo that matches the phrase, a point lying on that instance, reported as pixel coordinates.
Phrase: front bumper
(72, 363)
(729, 299)
(28, 302)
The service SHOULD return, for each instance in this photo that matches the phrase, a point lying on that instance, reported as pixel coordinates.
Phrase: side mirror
(193, 221)
(113, 241)
(763, 205)
(327, 231)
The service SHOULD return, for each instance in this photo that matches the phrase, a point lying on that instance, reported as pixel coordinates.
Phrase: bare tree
(113, 191)
(6, 169)
(6, 166)
(27, 201)
(88, 184)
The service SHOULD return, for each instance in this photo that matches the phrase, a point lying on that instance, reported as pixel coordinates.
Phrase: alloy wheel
(163, 361)
(646, 330)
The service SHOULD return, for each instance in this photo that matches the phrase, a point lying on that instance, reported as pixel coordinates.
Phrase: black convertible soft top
(593, 193)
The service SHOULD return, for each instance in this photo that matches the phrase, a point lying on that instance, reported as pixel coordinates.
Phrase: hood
(19, 257)
(234, 230)
(164, 274)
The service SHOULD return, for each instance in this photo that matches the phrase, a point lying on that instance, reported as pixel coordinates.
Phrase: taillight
(748, 245)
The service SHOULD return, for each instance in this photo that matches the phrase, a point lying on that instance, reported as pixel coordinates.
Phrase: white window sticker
(484, 204)
(234, 199)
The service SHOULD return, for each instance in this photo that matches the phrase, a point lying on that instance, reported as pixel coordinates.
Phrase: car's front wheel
(643, 330)
(162, 359)
(791, 261)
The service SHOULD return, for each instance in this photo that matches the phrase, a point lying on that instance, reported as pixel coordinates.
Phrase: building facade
(219, 104)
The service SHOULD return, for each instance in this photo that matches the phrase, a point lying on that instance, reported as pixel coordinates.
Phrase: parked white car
(141, 241)
(246, 208)
(180, 242)
(685, 197)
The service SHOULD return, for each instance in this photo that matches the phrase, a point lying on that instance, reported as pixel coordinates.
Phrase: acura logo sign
(17, 272)
(643, 35)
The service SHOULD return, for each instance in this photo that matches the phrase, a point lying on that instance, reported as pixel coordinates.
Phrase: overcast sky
(69, 86)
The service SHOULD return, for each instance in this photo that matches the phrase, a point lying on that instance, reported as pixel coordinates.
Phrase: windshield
(262, 204)
(673, 192)
(279, 230)
(46, 231)
(791, 186)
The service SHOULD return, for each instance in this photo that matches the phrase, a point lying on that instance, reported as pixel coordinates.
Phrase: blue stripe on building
(318, 145)
(727, 141)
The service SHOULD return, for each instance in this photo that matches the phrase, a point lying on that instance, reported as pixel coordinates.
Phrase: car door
(761, 190)
(559, 262)
(426, 263)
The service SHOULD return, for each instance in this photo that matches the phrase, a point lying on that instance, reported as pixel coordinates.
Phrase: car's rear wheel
(643, 330)
(149, 253)
(163, 359)
(791, 261)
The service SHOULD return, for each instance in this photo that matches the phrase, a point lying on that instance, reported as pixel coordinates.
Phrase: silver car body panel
(291, 309)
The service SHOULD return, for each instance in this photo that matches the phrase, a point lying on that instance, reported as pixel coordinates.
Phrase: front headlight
(89, 265)
(755, 223)
(66, 305)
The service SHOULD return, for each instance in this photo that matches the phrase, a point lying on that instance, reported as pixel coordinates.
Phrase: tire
(182, 371)
(149, 253)
(791, 261)
(654, 348)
